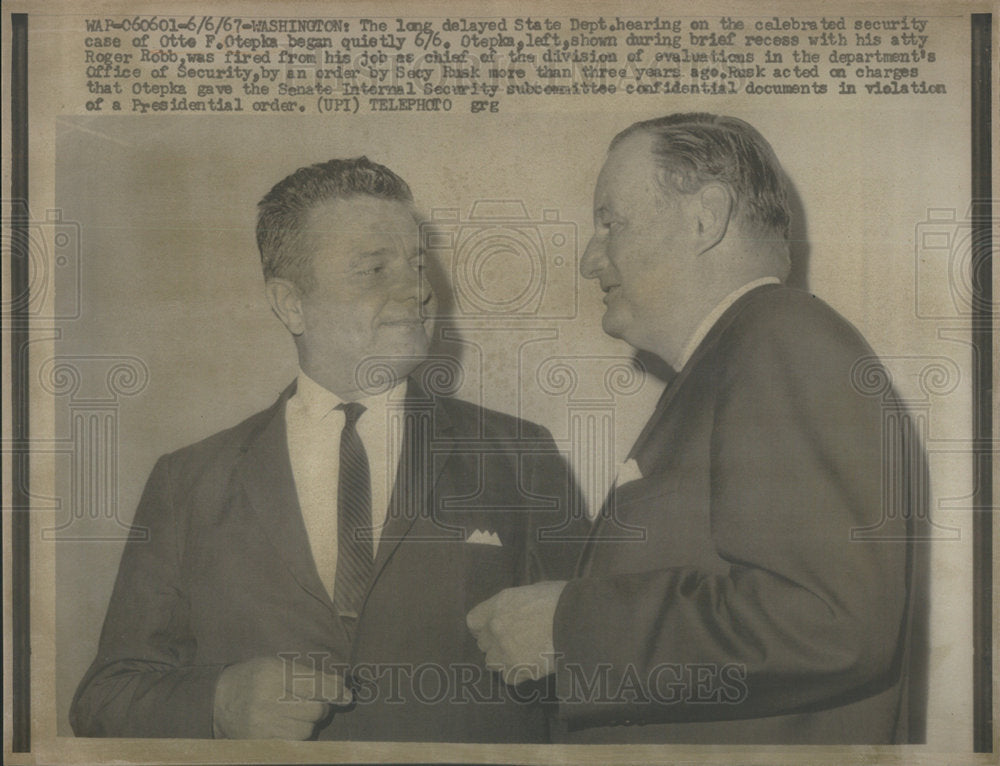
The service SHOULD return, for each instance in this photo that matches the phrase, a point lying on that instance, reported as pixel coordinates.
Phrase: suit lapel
(265, 475)
(647, 447)
(426, 422)
(654, 437)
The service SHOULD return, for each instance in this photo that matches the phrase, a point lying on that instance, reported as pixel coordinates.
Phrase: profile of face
(368, 300)
(644, 251)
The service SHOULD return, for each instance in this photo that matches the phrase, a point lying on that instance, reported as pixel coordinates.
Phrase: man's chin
(383, 370)
(612, 326)
(623, 331)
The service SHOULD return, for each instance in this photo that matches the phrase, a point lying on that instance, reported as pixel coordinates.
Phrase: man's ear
(286, 303)
(712, 208)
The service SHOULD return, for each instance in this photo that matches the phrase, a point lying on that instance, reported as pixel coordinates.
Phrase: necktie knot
(352, 412)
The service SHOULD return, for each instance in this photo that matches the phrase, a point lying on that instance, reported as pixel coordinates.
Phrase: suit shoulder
(788, 340)
(789, 318)
(223, 446)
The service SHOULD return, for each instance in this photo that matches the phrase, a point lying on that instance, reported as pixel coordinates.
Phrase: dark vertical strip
(982, 340)
(19, 286)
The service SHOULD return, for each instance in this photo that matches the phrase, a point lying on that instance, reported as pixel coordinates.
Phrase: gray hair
(696, 148)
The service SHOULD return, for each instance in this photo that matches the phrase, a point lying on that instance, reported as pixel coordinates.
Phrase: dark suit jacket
(227, 575)
(747, 613)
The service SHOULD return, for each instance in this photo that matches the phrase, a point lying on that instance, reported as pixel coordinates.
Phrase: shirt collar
(715, 315)
(317, 401)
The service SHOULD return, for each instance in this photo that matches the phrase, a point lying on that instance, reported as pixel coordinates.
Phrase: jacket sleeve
(805, 616)
(143, 682)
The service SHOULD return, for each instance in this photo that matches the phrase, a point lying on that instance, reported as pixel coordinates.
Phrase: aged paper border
(63, 750)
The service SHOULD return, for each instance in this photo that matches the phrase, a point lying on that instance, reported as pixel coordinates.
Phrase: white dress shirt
(314, 424)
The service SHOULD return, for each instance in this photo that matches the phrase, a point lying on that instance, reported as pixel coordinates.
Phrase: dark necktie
(354, 521)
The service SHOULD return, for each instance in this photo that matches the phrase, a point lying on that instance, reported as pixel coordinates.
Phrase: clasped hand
(514, 630)
(266, 698)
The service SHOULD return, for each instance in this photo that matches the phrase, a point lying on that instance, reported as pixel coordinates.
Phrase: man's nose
(424, 291)
(411, 284)
(593, 258)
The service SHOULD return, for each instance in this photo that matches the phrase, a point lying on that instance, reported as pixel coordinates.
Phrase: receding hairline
(685, 144)
(645, 164)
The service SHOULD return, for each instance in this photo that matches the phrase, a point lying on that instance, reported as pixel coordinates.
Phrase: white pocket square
(628, 471)
(484, 538)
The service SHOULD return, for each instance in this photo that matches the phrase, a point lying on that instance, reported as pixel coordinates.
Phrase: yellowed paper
(156, 128)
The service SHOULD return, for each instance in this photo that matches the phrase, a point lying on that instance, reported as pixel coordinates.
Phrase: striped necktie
(355, 560)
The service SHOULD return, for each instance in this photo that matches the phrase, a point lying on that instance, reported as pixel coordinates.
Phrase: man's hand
(257, 699)
(514, 630)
